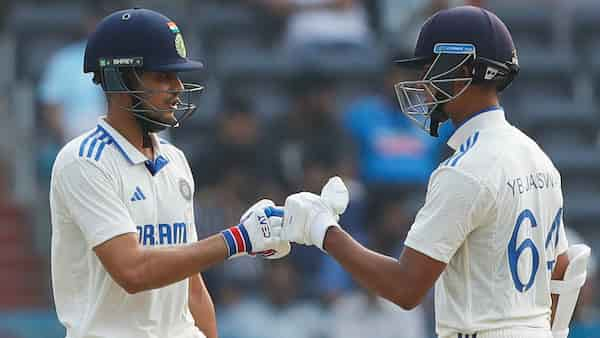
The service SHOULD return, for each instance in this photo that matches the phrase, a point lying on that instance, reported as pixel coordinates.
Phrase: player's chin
(167, 116)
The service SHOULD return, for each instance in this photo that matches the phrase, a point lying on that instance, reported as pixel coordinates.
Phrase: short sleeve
(452, 207)
(90, 196)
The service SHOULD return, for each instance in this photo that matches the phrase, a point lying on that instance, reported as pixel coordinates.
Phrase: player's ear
(131, 79)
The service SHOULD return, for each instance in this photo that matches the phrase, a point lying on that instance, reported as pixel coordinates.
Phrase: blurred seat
(585, 29)
(342, 60)
(239, 62)
(576, 161)
(561, 122)
(533, 19)
(582, 211)
(580, 171)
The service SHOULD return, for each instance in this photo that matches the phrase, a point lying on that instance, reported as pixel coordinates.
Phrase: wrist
(237, 240)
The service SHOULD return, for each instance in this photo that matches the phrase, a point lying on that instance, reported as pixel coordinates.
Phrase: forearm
(160, 267)
(202, 307)
(379, 273)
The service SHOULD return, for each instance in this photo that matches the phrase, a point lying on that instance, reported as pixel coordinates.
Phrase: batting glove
(259, 233)
(307, 216)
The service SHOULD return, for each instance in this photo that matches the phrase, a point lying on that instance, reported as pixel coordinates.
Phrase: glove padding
(307, 216)
(259, 233)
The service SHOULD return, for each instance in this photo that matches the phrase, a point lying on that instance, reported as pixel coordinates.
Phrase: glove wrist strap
(237, 240)
(321, 223)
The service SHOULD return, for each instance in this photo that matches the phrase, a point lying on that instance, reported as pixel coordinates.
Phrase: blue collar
(131, 153)
(484, 110)
(493, 118)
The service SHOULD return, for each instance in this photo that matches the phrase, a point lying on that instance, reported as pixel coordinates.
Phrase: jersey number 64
(514, 251)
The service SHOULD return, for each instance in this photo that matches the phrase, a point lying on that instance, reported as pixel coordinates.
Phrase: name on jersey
(162, 234)
(534, 181)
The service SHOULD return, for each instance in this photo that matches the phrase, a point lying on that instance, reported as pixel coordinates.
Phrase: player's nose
(176, 84)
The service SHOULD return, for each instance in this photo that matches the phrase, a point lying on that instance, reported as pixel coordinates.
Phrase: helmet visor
(422, 91)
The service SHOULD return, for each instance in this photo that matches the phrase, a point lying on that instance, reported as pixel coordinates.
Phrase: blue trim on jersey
(91, 148)
(101, 147)
(116, 144)
(87, 139)
(484, 110)
(98, 138)
(161, 141)
(464, 148)
(246, 237)
(155, 166)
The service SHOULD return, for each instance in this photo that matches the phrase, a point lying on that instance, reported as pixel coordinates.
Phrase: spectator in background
(301, 146)
(388, 217)
(356, 313)
(71, 103)
(227, 172)
(391, 149)
(277, 311)
(322, 21)
(301, 141)
(20, 268)
(360, 314)
(406, 17)
(229, 167)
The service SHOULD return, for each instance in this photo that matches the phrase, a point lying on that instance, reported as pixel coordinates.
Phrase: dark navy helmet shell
(450, 40)
(130, 42)
(141, 34)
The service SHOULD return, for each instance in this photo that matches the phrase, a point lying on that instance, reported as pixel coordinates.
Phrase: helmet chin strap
(437, 116)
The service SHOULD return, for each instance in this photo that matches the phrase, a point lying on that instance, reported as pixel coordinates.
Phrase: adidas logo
(138, 195)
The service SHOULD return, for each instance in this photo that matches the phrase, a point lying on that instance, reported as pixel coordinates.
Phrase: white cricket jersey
(493, 213)
(102, 187)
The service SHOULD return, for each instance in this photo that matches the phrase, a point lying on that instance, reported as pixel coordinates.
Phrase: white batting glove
(308, 216)
(259, 233)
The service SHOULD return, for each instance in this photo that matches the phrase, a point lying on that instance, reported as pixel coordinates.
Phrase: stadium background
(292, 97)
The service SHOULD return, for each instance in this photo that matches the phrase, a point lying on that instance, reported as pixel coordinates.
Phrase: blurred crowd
(266, 127)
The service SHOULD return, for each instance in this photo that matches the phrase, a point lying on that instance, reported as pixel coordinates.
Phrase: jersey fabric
(493, 213)
(102, 187)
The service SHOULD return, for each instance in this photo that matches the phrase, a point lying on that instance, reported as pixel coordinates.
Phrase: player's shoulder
(472, 151)
(87, 149)
(479, 155)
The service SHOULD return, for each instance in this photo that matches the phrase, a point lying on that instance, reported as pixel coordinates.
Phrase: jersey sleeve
(90, 196)
(453, 204)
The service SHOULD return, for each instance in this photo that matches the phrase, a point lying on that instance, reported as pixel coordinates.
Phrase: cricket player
(125, 259)
(490, 234)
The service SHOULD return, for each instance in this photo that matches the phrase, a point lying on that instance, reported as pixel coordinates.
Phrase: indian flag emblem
(173, 27)
(180, 45)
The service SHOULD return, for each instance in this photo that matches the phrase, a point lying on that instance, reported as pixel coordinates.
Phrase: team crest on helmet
(185, 189)
(180, 45)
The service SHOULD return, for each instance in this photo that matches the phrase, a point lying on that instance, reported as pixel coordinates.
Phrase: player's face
(162, 93)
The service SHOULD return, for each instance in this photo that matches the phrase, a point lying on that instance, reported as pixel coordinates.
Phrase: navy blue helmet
(450, 39)
(127, 43)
